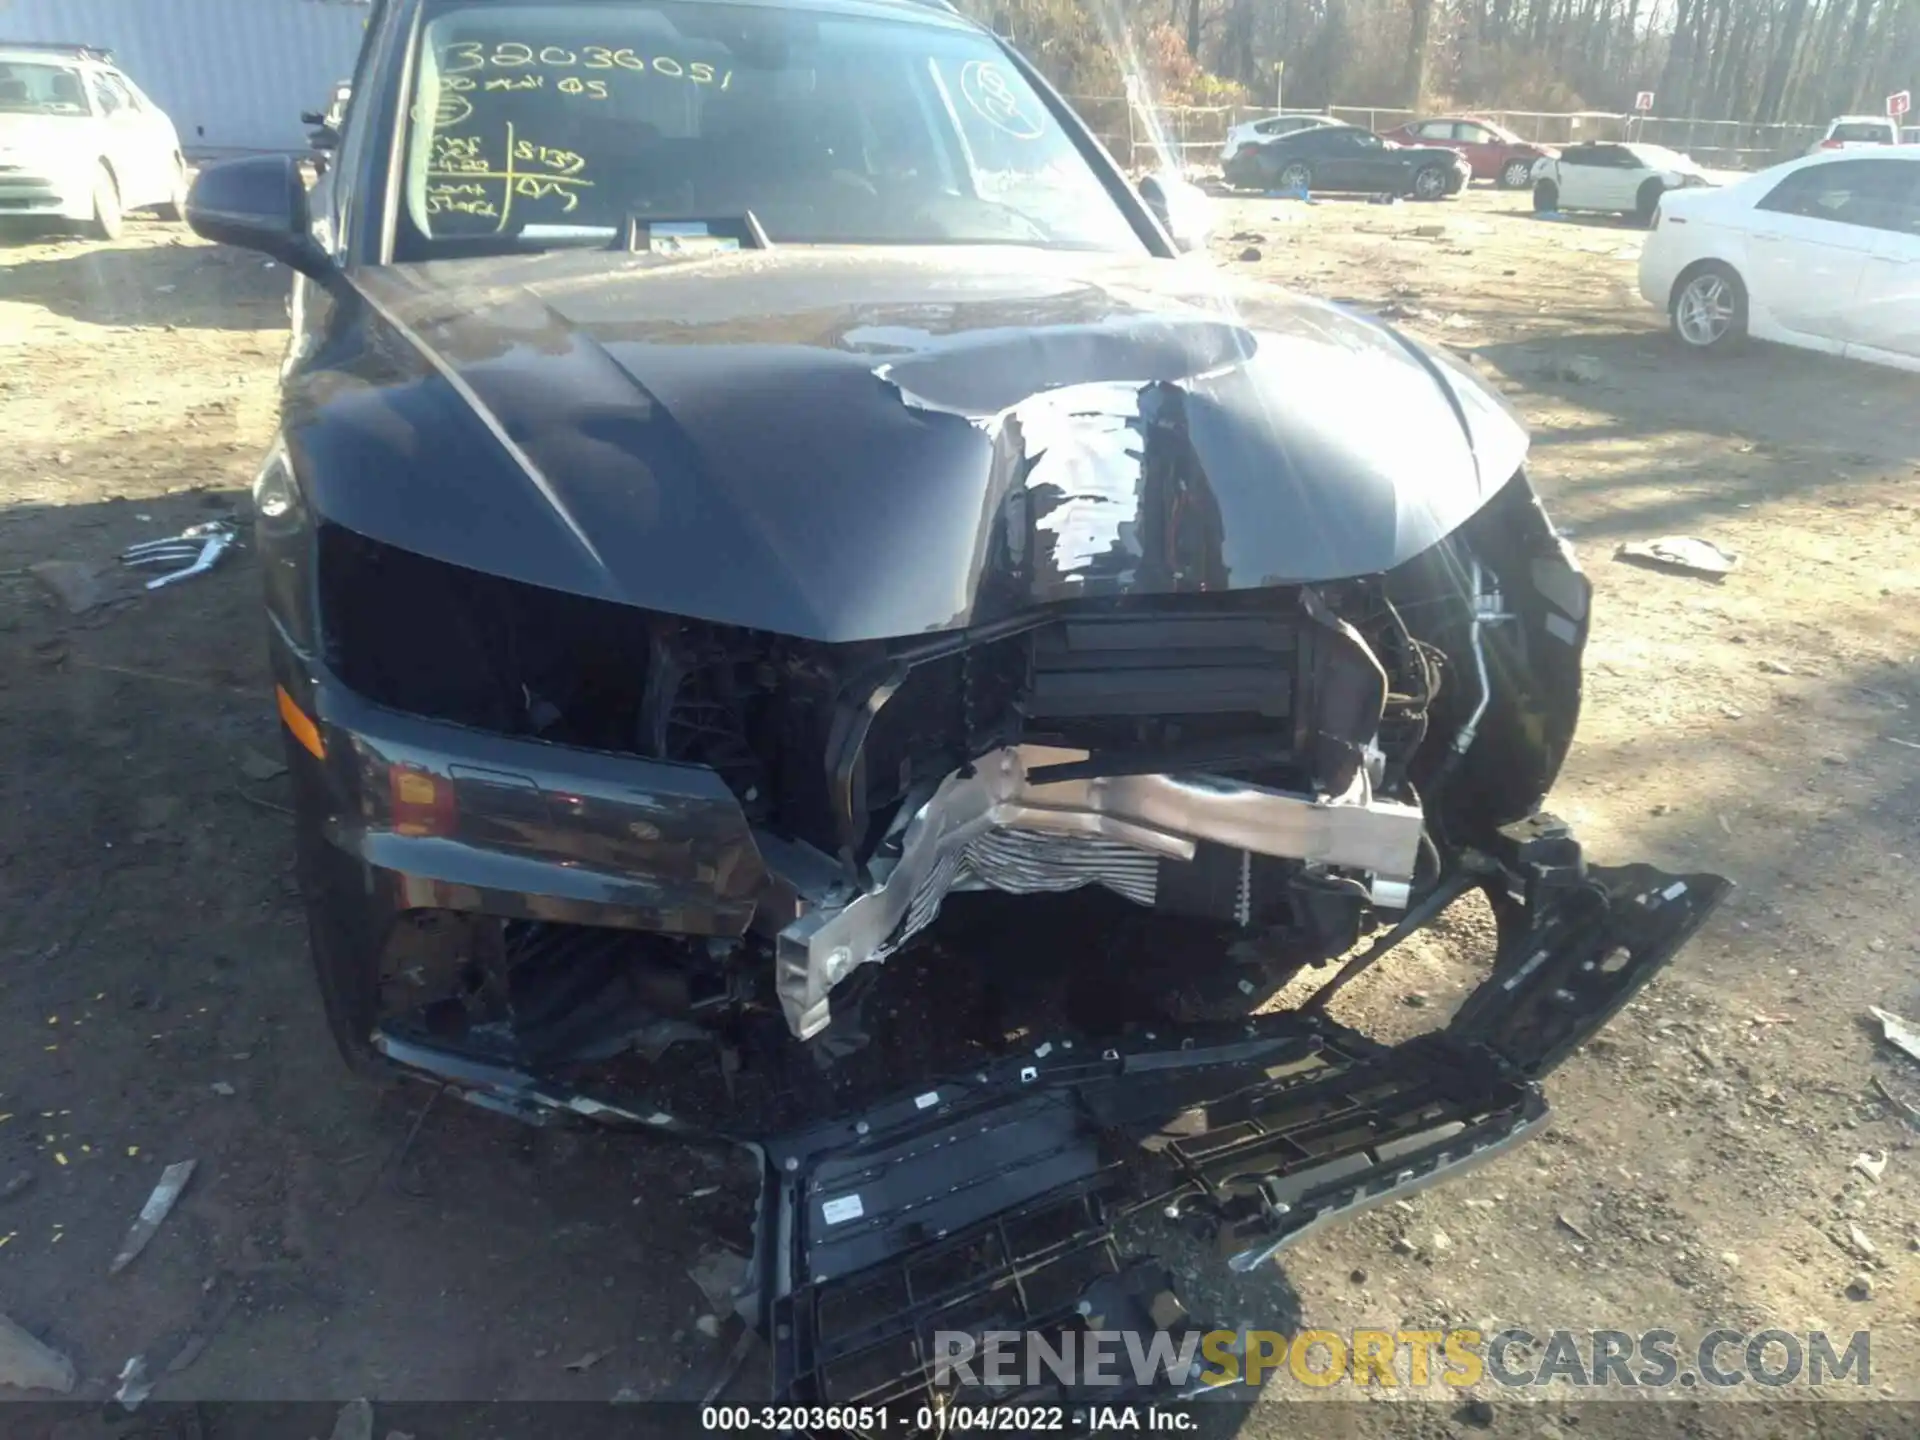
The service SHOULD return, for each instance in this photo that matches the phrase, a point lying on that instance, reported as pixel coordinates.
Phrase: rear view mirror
(1182, 208)
(259, 203)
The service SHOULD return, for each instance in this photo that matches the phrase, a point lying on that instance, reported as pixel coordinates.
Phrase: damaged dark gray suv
(751, 472)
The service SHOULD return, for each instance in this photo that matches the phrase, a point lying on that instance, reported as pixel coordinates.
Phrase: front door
(1481, 146)
(123, 139)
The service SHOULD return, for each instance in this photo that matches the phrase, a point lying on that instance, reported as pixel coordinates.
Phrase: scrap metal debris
(587, 1361)
(256, 766)
(1857, 1238)
(26, 1364)
(196, 549)
(135, 1384)
(1906, 1108)
(159, 1204)
(354, 1422)
(720, 1273)
(1685, 554)
(1871, 1166)
(1899, 1033)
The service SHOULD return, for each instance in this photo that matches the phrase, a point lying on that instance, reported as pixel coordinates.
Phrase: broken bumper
(998, 1201)
(994, 1202)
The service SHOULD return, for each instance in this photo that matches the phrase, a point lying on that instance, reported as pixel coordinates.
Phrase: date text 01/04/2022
(956, 1419)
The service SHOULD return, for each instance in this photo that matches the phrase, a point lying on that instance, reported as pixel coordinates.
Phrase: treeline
(1752, 60)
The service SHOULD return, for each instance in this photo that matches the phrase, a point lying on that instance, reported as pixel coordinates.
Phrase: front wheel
(1515, 174)
(1429, 183)
(1709, 309)
(174, 207)
(1298, 175)
(1546, 197)
(107, 221)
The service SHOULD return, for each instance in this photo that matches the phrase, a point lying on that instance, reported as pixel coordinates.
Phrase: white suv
(80, 142)
(1845, 132)
(1255, 131)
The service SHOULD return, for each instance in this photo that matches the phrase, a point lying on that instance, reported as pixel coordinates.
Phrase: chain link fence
(1197, 134)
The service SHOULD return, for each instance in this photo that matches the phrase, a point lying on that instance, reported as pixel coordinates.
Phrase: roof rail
(61, 47)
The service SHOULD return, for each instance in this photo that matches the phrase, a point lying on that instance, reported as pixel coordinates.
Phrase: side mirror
(259, 203)
(1182, 208)
(312, 117)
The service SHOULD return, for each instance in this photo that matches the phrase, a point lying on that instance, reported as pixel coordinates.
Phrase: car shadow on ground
(144, 279)
(1665, 409)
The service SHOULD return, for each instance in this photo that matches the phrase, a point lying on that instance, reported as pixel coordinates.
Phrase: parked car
(1285, 124)
(1822, 253)
(323, 136)
(1849, 132)
(700, 537)
(1496, 153)
(1624, 177)
(80, 142)
(1348, 158)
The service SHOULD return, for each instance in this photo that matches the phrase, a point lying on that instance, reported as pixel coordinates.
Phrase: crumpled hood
(854, 444)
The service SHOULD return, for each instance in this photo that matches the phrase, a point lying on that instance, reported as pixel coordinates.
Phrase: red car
(1496, 153)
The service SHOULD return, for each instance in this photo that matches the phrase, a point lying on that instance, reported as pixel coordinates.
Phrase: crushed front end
(1277, 683)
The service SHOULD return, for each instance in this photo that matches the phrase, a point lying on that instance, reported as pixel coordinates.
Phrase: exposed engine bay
(1254, 761)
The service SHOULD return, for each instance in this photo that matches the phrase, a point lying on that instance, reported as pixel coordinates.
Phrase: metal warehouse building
(233, 74)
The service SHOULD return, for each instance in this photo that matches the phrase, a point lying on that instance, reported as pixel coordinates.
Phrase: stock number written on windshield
(466, 59)
(465, 177)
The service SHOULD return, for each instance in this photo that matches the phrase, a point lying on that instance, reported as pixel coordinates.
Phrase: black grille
(1165, 665)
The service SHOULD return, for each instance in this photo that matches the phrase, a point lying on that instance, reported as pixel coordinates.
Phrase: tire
(1647, 202)
(1515, 174)
(1546, 197)
(1296, 175)
(108, 219)
(1430, 183)
(174, 208)
(1708, 309)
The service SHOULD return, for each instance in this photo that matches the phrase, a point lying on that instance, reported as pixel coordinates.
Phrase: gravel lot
(340, 1240)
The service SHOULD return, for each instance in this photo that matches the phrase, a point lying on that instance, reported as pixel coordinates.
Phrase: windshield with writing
(31, 89)
(546, 123)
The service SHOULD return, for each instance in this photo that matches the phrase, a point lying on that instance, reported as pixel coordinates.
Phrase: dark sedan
(1348, 159)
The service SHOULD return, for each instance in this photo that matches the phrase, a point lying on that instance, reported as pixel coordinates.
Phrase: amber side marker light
(423, 804)
(296, 720)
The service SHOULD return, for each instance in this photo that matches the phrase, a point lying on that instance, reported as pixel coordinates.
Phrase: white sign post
(1643, 102)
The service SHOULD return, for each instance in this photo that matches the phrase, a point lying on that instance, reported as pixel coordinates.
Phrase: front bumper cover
(994, 1201)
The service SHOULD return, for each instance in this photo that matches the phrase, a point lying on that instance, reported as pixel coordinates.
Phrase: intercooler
(1023, 862)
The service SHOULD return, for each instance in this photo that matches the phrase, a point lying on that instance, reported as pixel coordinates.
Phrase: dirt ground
(342, 1240)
